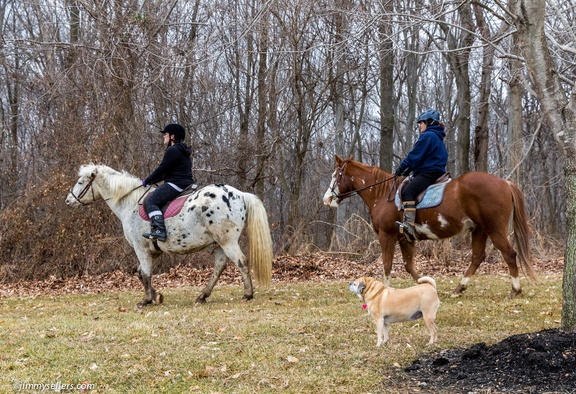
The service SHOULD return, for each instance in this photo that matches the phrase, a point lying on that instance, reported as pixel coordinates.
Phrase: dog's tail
(427, 279)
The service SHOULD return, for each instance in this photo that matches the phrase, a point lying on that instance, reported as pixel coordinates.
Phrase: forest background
(269, 91)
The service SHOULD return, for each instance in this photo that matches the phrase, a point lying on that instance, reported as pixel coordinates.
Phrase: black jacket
(176, 167)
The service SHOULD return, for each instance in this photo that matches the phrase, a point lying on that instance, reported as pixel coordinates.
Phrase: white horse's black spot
(227, 201)
(209, 194)
(191, 208)
(223, 187)
(210, 222)
(204, 208)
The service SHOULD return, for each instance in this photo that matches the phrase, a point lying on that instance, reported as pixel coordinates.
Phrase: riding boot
(157, 229)
(407, 225)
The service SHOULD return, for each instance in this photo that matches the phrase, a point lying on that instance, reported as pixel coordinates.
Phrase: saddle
(171, 208)
(429, 198)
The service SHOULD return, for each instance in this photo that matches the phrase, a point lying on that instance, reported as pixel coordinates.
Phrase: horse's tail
(521, 231)
(259, 239)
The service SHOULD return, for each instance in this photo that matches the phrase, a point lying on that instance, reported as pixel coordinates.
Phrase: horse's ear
(338, 160)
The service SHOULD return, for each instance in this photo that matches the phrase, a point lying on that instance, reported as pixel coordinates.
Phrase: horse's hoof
(458, 291)
(142, 304)
(200, 300)
(159, 299)
(247, 297)
(514, 293)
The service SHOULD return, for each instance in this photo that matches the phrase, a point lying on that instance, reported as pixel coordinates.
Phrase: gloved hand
(400, 172)
(144, 183)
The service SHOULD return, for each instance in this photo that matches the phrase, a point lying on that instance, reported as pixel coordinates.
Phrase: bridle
(84, 191)
(88, 186)
(342, 196)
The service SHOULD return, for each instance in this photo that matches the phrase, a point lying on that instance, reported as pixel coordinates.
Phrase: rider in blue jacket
(176, 172)
(427, 162)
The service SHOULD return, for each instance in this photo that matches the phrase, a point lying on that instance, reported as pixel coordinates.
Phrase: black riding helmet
(176, 130)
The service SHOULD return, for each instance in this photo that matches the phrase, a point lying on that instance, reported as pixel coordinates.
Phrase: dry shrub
(41, 237)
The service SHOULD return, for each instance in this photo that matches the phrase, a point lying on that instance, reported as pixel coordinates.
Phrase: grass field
(305, 338)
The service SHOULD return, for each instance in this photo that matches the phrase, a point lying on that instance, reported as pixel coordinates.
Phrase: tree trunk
(560, 115)
(459, 58)
(262, 157)
(387, 101)
(481, 134)
(515, 123)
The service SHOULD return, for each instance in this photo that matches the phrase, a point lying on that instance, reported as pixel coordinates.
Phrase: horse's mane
(377, 175)
(120, 184)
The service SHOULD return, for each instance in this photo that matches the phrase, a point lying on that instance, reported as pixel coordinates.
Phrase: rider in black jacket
(176, 172)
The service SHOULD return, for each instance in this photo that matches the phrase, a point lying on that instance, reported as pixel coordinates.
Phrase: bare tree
(556, 96)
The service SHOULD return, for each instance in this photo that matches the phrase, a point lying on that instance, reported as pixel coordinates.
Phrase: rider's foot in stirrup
(406, 230)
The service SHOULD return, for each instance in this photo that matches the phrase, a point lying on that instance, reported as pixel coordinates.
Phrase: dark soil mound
(540, 362)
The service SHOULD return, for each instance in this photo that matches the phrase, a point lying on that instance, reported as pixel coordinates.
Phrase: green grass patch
(311, 337)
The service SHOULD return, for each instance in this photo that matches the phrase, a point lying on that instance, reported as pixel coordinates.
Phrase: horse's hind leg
(479, 238)
(503, 245)
(219, 265)
(235, 254)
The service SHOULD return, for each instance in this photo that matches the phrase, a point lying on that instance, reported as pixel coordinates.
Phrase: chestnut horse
(476, 202)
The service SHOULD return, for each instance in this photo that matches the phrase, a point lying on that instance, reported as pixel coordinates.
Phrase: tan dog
(388, 305)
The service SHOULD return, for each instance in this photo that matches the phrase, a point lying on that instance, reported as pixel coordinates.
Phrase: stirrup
(154, 236)
(406, 230)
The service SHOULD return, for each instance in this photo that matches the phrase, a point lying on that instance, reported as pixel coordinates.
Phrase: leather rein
(342, 196)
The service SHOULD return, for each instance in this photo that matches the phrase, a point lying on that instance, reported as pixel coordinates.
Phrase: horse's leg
(387, 245)
(501, 243)
(144, 272)
(479, 238)
(235, 254)
(219, 265)
(407, 249)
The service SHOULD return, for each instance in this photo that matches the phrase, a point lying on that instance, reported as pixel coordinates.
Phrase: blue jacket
(429, 154)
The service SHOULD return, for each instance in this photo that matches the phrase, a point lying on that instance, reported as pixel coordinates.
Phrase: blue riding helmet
(429, 116)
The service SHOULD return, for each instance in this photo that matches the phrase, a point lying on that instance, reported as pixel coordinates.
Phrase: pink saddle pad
(173, 208)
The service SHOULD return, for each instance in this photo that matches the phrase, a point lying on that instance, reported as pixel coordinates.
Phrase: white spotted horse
(476, 201)
(212, 215)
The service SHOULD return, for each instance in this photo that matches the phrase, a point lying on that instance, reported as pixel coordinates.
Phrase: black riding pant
(159, 197)
(418, 184)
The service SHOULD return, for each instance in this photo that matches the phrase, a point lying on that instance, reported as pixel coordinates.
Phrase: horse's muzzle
(71, 201)
(332, 201)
